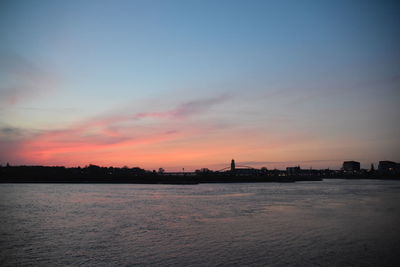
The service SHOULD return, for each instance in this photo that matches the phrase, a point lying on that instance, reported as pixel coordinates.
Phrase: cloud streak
(113, 133)
(181, 111)
(20, 79)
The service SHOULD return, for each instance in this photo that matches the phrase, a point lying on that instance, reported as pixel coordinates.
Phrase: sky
(193, 84)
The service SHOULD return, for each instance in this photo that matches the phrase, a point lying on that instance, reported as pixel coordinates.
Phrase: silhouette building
(387, 166)
(293, 170)
(233, 165)
(351, 166)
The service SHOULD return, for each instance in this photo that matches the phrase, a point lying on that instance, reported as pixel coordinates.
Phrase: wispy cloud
(108, 132)
(21, 79)
(8, 133)
(180, 111)
(285, 162)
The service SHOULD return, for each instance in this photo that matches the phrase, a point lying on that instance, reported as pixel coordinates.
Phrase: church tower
(232, 165)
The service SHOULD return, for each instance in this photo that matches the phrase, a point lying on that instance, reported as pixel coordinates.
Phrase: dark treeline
(88, 174)
(97, 174)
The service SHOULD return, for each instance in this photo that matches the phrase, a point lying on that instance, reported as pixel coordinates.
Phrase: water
(329, 223)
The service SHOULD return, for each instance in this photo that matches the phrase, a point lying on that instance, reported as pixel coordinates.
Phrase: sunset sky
(193, 84)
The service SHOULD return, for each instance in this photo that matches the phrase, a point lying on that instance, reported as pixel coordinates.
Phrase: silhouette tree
(264, 170)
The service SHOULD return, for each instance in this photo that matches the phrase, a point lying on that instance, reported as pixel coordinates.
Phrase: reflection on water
(330, 223)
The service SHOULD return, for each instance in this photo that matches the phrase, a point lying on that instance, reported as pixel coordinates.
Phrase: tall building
(293, 170)
(351, 166)
(388, 166)
(233, 165)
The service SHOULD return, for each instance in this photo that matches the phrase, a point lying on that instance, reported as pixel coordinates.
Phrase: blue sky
(303, 80)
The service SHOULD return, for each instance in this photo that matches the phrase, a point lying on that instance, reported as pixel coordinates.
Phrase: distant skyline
(192, 84)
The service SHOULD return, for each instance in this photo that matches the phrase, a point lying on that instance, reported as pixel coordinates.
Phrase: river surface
(329, 223)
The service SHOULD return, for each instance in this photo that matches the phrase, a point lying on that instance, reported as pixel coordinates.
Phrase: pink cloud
(181, 111)
(116, 133)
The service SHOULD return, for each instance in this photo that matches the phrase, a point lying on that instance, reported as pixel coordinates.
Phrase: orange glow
(169, 139)
(191, 147)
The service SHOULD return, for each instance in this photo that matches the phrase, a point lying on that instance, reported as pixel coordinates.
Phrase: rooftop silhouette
(234, 173)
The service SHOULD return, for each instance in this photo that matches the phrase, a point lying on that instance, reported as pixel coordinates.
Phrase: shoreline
(172, 180)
